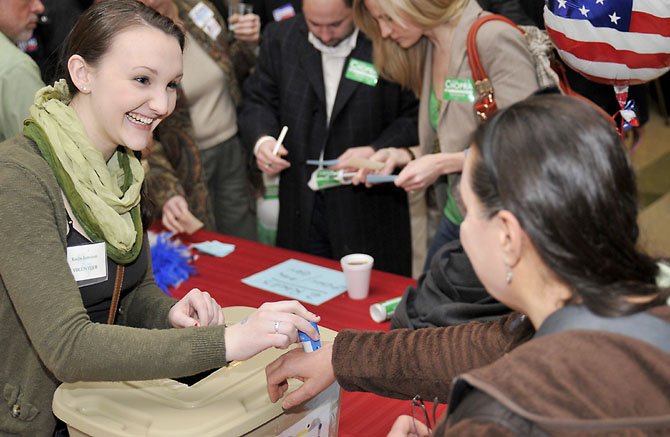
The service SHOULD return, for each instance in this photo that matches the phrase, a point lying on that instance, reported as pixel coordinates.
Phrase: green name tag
(361, 71)
(459, 90)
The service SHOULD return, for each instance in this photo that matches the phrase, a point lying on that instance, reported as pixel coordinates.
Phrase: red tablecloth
(362, 414)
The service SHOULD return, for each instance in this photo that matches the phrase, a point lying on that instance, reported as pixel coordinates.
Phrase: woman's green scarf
(104, 196)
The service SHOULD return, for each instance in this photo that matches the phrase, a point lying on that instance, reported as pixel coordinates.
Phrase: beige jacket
(506, 59)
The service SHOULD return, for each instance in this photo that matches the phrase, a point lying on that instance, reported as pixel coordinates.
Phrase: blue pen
(380, 178)
(308, 344)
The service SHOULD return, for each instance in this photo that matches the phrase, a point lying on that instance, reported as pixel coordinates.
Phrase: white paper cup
(357, 268)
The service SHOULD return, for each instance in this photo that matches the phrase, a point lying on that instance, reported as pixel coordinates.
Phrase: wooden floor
(651, 160)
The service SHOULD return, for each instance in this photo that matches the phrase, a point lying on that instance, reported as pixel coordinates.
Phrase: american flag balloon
(617, 42)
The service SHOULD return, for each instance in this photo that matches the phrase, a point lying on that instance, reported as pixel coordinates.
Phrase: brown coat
(568, 381)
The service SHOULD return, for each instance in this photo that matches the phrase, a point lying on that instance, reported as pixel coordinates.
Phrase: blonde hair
(405, 66)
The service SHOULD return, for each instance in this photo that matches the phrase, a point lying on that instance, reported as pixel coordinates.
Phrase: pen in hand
(280, 140)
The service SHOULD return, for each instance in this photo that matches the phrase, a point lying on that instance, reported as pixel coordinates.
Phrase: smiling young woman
(73, 235)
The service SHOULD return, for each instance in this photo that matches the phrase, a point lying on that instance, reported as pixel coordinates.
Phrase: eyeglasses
(417, 403)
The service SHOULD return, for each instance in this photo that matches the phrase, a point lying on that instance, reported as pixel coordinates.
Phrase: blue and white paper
(214, 248)
(300, 280)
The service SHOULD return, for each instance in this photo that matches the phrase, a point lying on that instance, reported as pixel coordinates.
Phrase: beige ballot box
(231, 401)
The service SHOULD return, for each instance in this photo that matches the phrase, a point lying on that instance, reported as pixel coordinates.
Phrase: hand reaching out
(314, 369)
(273, 324)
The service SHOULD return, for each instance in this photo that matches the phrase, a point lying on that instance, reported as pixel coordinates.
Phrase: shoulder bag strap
(485, 103)
(120, 270)
(641, 326)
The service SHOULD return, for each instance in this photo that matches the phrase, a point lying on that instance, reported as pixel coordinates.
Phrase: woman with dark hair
(75, 255)
(551, 231)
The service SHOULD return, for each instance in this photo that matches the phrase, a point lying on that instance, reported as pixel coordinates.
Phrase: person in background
(55, 23)
(19, 75)
(77, 298)
(314, 75)
(422, 45)
(200, 141)
(551, 230)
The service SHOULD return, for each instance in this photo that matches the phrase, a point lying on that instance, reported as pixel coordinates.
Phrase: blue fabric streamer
(170, 262)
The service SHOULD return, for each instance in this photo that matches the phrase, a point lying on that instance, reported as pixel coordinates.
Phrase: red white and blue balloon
(616, 42)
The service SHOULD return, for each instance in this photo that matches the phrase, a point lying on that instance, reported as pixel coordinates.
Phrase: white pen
(280, 140)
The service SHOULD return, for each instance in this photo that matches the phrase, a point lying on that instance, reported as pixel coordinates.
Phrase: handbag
(549, 70)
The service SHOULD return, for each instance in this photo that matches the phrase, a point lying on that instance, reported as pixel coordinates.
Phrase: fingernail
(196, 324)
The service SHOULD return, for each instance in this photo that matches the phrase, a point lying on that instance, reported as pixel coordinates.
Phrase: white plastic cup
(237, 7)
(357, 268)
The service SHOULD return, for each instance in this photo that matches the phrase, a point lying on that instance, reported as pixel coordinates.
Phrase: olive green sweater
(46, 336)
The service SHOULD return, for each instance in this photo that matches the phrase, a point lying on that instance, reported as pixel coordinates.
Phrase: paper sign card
(300, 280)
(214, 248)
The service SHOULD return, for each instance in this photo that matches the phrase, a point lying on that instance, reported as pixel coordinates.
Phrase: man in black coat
(330, 115)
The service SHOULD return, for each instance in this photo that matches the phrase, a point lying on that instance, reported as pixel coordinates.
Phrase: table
(361, 413)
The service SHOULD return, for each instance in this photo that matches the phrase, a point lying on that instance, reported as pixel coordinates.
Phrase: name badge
(203, 17)
(88, 263)
(459, 90)
(361, 71)
(283, 12)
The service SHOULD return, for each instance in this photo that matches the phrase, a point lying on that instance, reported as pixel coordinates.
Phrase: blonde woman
(421, 44)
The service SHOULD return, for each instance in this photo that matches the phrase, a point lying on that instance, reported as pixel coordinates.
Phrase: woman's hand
(392, 157)
(407, 426)
(178, 218)
(363, 152)
(424, 171)
(174, 210)
(274, 324)
(197, 308)
(315, 369)
(421, 172)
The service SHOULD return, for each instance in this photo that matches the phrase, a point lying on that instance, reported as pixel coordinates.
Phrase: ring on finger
(277, 323)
